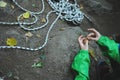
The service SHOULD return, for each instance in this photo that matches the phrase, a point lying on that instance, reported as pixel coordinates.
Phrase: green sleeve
(112, 47)
(81, 64)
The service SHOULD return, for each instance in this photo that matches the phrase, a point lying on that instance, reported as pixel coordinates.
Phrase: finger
(91, 38)
(80, 37)
(93, 30)
(91, 35)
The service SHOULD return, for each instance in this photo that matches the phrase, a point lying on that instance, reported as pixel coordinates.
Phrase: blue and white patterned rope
(70, 12)
(64, 10)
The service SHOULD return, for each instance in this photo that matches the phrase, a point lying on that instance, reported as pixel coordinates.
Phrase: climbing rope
(64, 10)
(70, 12)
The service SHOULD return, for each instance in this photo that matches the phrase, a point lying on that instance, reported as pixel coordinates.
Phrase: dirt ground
(56, 64)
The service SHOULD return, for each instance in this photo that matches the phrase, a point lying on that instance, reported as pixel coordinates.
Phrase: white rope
(70, 12)
(64, 10)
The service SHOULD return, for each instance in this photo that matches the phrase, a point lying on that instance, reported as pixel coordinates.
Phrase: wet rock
(59, 51)
(98, 6)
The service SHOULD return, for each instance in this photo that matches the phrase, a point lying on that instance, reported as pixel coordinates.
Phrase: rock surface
(62, 46)
(98, 6)
(58, 56)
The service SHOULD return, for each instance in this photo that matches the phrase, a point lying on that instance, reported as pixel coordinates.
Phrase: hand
(83, 42)
(94, 35)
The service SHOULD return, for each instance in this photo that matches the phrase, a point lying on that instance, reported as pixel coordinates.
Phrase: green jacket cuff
(112, 47)
(81, 64)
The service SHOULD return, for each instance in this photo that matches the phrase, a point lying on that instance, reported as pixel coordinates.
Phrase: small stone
(16, 78)
(13, 7)
(28, 34)
(81, 6)
(37, 60)
(33, 5)
(43, 20)
(62, 29)
(38, 35)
